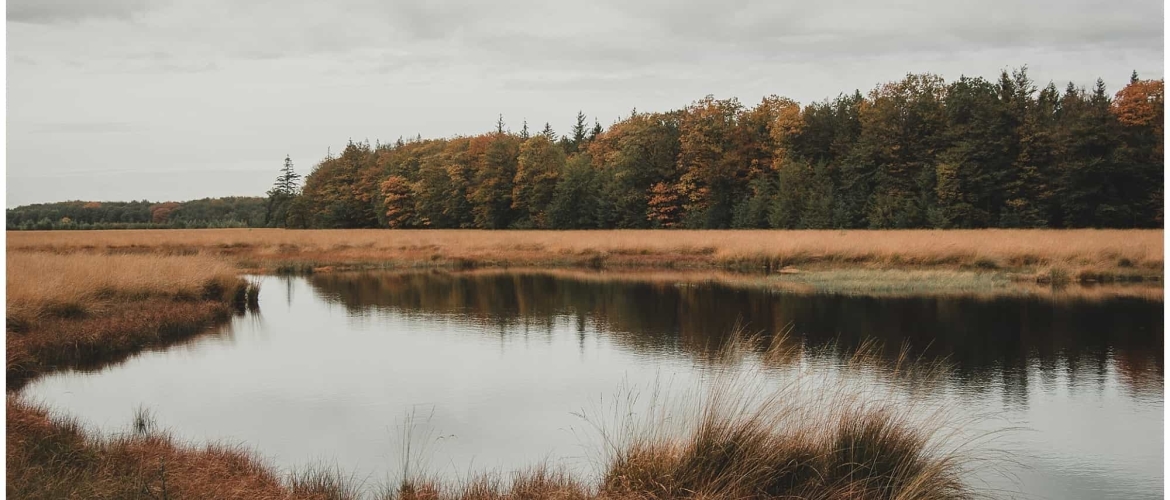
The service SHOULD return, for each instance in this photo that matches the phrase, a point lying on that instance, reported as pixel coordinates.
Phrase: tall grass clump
(810, 433)
(770, 422)
(321, 482)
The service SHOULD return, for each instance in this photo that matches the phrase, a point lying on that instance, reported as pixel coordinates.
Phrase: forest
(208, 212)
(915, 153)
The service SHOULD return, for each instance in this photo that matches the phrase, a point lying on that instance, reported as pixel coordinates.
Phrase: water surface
(496, 365)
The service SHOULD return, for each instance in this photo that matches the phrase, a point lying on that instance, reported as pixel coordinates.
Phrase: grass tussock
(538, 482)
(747, 432)
(805, 438)
(989, 250)
(743, 435)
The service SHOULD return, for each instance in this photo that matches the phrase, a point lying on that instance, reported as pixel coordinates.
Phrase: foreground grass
(739, 437)
(54, 458)
(1068, 255)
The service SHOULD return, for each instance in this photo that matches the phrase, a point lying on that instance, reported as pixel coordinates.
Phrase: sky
(178, 100)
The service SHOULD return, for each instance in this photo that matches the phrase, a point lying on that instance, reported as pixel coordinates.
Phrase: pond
(492, 370)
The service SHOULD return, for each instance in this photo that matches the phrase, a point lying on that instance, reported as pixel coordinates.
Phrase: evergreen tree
(283, 191)
(579, 133)
(912, 153)
(548, 132)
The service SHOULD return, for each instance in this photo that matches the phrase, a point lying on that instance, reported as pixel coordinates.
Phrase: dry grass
(53, 457)
(77, 298)
(810, 437)
(1137, 252)
(85, 310)
(741, 436)
(82, 310)
(41, 283)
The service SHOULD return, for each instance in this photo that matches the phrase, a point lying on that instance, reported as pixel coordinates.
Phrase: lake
(492, 370)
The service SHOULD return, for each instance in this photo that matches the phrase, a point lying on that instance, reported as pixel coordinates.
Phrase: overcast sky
(175, 100)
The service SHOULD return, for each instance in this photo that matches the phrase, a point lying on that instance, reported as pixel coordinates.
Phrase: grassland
(1046, 256)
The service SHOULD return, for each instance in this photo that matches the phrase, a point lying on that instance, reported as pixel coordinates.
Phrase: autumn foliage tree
(913, 153)
(538, 168)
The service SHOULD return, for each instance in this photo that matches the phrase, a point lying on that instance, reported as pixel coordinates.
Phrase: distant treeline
(916, 153)
(208, 212)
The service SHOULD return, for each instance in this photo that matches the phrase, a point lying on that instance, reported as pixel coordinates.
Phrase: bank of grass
(1083, 254)
(861, 282)
(54, 457)
(68, 311)
(85, 310)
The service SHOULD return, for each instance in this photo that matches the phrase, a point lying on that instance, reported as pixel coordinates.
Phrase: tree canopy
(915, 153)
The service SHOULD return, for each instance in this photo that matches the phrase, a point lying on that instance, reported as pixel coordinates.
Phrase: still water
(495, 368)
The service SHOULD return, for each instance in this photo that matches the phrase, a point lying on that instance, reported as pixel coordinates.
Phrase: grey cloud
(263, 76)
(85, 128)
(53, 11)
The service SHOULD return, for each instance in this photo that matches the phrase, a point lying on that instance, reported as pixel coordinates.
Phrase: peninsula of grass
(79, 311)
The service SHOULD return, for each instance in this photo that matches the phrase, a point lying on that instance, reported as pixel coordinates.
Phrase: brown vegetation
(53, 457)
(80, 310)
(1087, 255)
(742, 437)
(77, 299)
(85, 310)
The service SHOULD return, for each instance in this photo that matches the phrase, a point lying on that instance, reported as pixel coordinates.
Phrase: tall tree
(280, 197)
(491, 197)
(537, 173)
(708, 160)
(579, 134)
(902, 132)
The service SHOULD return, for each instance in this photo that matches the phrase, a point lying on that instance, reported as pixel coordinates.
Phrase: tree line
(914, 153)
(204, 213)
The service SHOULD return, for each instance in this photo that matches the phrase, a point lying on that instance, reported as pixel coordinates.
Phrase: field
(1084, 255)
(80, 299)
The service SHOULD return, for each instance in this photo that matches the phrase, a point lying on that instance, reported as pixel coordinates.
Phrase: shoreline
(117, 310)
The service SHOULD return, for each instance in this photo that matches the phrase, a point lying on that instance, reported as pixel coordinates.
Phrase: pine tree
(283, 191)
(579, 132)
(596, 131)
(287, 182)
(548, 132)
